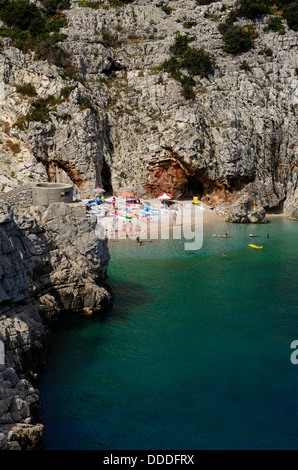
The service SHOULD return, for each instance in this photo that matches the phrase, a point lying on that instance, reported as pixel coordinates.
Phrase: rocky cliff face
(126, 124)
(56, 265)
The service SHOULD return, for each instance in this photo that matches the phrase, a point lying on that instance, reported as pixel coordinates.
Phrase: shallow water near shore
(193, 354)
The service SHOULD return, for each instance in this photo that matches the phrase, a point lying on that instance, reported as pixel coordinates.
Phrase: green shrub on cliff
(166, 9)
(20, 14)
(253, 8)
(236, 40)
(187, 62)
(55, 22)
(288, 9)
(189, 24)
(290, 13)
(39, 111)
(275, 24)
(66, 91)
(97, 4)
(30, 28)
(50, 7)
(26, 90)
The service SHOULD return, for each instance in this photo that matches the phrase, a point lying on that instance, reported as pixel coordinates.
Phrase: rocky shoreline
(53, 265)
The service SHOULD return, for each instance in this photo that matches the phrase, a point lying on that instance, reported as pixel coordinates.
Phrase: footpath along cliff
(191, 97)
(54, 266)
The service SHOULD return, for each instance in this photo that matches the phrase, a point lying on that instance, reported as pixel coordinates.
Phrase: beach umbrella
(99, 190)
(165, 196)
(126, 194)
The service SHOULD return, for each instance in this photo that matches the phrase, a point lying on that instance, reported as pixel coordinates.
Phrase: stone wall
(20, 196)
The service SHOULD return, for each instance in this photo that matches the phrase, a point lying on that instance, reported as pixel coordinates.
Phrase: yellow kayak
(256, 246)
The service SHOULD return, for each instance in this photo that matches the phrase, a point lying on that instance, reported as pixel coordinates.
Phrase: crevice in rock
(106, 176)
(114, 67)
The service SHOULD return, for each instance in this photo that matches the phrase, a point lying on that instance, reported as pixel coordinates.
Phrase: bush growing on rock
(29, 27)
(66, 91)
(23, 15)
(275, 24)
(27, 89)
(51, 6)
(46, 49)
(180, 45)
(197, 62)
(189, 24)
(253, 8)
(245, 66)
(57, 21)
(237, 39)
(288, 9)
(39, 110)
(168, 10)
(190, 60)
(290, 13)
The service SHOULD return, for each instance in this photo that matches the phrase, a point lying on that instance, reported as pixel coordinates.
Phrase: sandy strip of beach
(188, 215)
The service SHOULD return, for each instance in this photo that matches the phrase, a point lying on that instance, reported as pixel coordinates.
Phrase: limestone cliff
(56, 265)
(123, 121)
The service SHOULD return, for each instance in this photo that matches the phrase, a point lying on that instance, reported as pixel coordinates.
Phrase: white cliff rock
(126, 125)
(46, 268)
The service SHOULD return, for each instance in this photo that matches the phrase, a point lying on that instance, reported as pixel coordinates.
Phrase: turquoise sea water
(193, 354)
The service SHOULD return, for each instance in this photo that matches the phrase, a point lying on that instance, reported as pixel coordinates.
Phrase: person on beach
(130, 229)
(138, 230)
(114, 204)
(124, 227)
(174, 218)
(138, 241)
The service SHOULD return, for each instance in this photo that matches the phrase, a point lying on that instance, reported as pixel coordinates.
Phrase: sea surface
(195, 352)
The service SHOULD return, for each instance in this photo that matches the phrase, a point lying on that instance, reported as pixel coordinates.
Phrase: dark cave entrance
(106, 178)
(193, 187)
(111, 71)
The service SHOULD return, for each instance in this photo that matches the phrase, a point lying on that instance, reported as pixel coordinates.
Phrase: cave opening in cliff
(106, 178)
(278, 209)
(114, 67)
(193, 187)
